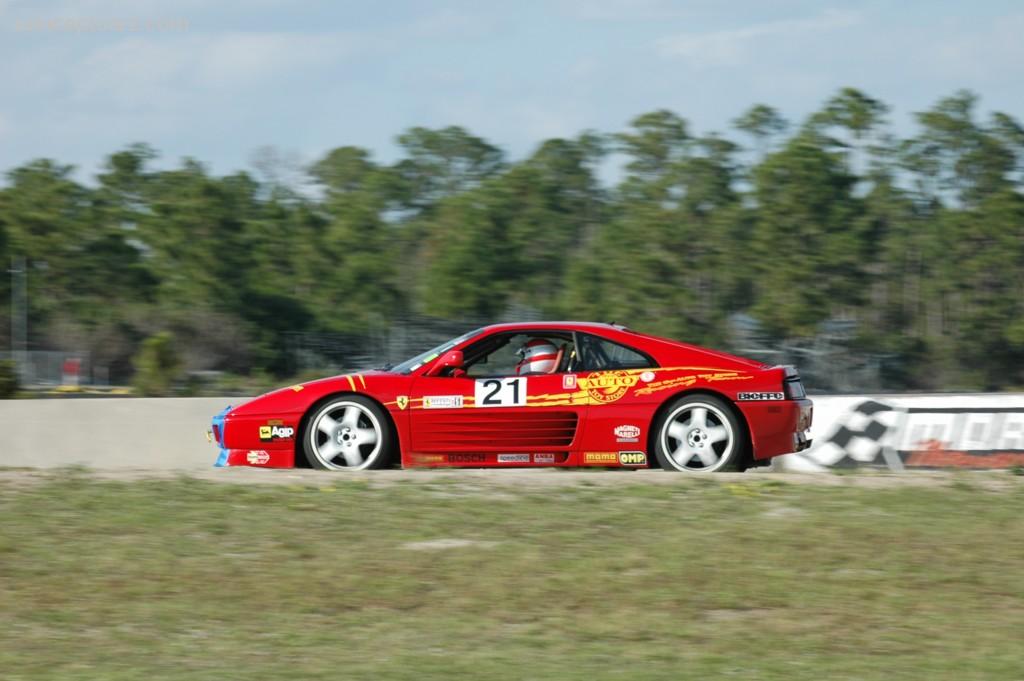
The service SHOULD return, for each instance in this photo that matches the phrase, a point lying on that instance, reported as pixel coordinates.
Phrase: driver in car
(538, 356)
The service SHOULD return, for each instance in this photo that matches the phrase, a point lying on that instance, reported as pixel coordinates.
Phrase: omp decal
(632, 458)
(600, 457)
(257, 457)
(513, 458)
(443, 402)
(276, 430)
(759, 397)
(402, 401)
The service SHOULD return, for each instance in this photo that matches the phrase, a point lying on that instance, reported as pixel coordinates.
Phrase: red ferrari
(532, 394)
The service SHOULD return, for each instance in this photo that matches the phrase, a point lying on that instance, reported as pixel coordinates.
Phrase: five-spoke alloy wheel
(699, 434)
(348, 433)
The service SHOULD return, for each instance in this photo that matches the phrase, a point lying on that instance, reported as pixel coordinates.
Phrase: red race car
(531, 395)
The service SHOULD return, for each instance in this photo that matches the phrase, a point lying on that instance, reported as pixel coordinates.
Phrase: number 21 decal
(501, 392)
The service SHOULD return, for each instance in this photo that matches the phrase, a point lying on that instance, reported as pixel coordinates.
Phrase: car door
(491, 415)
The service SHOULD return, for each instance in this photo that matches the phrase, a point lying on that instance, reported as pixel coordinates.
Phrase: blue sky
(218, 80)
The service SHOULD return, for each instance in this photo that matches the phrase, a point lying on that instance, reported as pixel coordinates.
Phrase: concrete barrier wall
(894, 431)
(914, 431)
(151, 433)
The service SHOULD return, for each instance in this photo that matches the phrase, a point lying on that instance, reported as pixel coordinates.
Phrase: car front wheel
(699, 434)
(348, 433)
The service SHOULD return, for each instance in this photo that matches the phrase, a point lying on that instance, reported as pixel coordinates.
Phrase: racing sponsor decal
(647, 376)
(712, 376)
(759, 397)
(600, 457)
(402, 401)
(443, 402)
(501, 392)
(467, 458)
(627, 433)
(276, 430)
(428, 458)
(513, 458)
(569, 382)
(257, 457)
(543, 458)
(877, 433)
(632, 458)
(605, 387)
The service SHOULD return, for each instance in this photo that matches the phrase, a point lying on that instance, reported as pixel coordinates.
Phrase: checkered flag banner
(860, 436)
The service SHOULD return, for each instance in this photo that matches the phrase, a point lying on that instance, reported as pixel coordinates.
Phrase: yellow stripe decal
(351, 383)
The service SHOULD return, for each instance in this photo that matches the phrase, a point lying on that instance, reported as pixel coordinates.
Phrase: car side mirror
(449, 360)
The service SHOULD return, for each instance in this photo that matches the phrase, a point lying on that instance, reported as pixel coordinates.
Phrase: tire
(348, 433)
(699, 434)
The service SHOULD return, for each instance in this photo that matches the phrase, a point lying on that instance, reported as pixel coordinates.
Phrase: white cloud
(731, 46)
(142, 72)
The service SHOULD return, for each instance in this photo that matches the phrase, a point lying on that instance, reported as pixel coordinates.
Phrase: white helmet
(539, 356)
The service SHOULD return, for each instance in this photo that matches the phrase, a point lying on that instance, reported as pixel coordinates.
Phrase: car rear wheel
(348, 433)
(699, 434)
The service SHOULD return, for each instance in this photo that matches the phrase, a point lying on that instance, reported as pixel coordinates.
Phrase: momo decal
(276, 430)
(600, 457)
(443, 402)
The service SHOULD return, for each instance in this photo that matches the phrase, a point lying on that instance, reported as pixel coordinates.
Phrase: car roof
(540, 326)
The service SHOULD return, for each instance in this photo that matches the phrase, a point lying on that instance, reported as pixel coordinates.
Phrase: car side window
(600, 354)
(501, 356)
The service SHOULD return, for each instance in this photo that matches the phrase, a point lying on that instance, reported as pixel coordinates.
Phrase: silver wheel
(697, 437)
(345, 435)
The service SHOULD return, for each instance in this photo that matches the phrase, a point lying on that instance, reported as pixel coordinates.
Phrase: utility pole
(19, 317)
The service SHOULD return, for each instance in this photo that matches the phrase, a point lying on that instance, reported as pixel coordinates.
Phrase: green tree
(157, 365)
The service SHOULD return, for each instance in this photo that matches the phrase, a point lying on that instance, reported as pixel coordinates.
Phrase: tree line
(916, 243)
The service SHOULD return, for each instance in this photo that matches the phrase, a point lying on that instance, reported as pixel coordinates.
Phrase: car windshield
(416, 362)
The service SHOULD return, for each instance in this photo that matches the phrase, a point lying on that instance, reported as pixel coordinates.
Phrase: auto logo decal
(402, 401)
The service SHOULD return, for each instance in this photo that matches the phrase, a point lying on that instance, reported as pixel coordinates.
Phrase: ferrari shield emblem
(402, 401)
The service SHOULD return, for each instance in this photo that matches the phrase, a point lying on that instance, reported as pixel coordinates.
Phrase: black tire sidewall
(387, 434)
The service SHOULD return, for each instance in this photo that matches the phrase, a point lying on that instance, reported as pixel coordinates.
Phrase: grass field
(181, 579)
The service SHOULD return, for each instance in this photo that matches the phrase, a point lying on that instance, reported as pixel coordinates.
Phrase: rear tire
(699, 434)
(348, 433)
